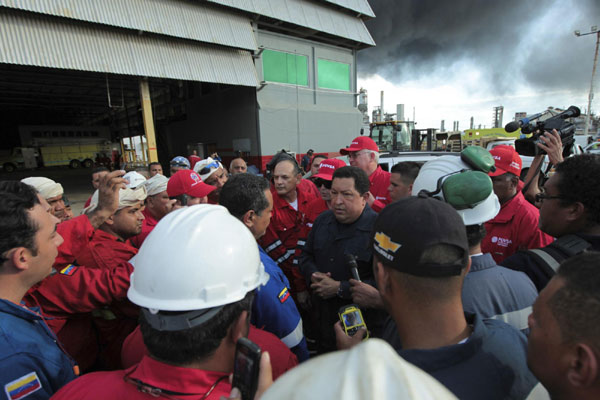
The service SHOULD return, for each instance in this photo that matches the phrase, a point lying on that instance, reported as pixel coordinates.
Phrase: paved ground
(76, 182)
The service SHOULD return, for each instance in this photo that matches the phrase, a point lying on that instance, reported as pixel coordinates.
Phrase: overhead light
(577, 33)
(594, 28)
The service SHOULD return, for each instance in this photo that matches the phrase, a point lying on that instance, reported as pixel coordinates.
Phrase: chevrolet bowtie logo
(384, 242)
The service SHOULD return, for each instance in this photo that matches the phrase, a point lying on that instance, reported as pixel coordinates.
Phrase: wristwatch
(339, 292)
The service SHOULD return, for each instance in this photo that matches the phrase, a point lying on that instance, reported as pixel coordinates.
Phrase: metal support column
(148, 119)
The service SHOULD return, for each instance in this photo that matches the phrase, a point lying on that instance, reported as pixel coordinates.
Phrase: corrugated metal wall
(360, 6)
(36, 40)
(183, 19)
(307, 14)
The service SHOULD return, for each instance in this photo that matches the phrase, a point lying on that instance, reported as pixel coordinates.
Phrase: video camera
(528, 146)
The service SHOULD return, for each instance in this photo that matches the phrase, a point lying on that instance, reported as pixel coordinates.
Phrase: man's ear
(299, 176)
(110, 220)
(248, 218)
(576, 211)
(583, 367)
(383, 278)
(410, 189)
(19, 257)
(239, 328)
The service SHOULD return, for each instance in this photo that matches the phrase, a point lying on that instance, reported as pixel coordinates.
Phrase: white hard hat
(433, 170)
(134, 179)
(196, 258)
(370, 370)
(157, 184)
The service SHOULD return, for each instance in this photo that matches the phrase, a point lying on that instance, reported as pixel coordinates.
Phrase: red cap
(507, 160)
(328, 167)
(188, 182)
(360, 143)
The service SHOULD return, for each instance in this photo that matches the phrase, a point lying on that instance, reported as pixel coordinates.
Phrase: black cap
(310, 151)
(406, 229)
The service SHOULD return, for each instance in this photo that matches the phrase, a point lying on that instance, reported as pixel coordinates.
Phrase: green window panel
(333, 75)
(285, 67)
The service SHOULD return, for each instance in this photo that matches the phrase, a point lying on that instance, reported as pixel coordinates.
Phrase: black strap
(550, 257)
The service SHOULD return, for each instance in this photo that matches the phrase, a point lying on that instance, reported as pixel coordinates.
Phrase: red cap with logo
(360, 143)
(328, 167)
(507, 160)
(188, 182)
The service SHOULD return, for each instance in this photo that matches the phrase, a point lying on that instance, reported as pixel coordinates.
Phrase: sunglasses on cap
(179, 164)
(323, 182)
(206, 169)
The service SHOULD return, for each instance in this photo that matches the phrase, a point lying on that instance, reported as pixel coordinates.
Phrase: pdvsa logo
(502, 242)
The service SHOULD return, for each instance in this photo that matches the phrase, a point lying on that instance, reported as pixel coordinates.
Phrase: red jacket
(315, 208)
(380, 181)
(309, 187)
(188, 383)
(282, 358)
(281, 238)
(514, 228)
(147, 226)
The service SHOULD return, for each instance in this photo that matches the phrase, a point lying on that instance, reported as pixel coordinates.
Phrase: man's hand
(323, 285)
(303, 299)
(108, 197)
(552, 144)
(265, 380)
(365, 295)
(343, 341)
(371, 199)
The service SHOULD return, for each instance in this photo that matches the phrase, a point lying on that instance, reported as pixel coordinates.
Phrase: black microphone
(514, 125)
(351, 260)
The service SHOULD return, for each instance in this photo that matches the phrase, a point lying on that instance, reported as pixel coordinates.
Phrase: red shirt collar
(148, 218)
(278, 202)
(178, 379)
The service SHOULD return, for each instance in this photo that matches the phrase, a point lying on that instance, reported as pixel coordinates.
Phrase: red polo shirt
(514, 228)
(380, 181)
(178, 382)
(282, 358)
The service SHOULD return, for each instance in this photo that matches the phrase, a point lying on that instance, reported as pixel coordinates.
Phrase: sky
(456, 59)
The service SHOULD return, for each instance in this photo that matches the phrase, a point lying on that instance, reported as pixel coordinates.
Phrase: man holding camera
(516, 225)
(570, 211)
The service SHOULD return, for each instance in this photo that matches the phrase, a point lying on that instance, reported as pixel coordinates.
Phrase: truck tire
(87, 163)
(9, 167)
(75, 164)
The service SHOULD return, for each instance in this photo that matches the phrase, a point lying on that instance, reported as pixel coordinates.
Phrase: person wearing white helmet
(195, 306)
(489, 290)
(53, 193)
(157, 205)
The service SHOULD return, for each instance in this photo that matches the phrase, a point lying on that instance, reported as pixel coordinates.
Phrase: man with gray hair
(363, 153)
(157, 205)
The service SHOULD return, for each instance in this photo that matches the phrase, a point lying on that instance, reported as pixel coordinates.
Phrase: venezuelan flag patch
(22, 387)
(283, 295)
(68, 270)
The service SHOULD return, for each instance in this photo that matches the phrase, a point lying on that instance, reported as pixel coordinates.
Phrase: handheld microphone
(514, 125)
(351, 260)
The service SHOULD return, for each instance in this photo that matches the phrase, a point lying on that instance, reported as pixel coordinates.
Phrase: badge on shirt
(68, 270)
(22, 387)
(283, 295)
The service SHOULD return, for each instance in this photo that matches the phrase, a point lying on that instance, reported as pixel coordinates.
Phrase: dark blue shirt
(274, 309)
(498, 293)
(31, 361)
(491, 364)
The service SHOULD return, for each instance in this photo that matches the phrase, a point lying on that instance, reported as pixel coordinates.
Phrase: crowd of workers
(472, 284)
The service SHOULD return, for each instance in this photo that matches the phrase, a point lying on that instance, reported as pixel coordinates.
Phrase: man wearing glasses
(364, 154)
(570, 211)
(516, 225)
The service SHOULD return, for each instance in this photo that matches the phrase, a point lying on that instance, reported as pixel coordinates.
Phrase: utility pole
(593, 30)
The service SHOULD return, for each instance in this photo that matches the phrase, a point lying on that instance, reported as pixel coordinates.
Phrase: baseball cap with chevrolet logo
(408, 228)
(506, 160)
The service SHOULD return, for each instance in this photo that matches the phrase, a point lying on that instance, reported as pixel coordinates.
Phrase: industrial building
(255, 76)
